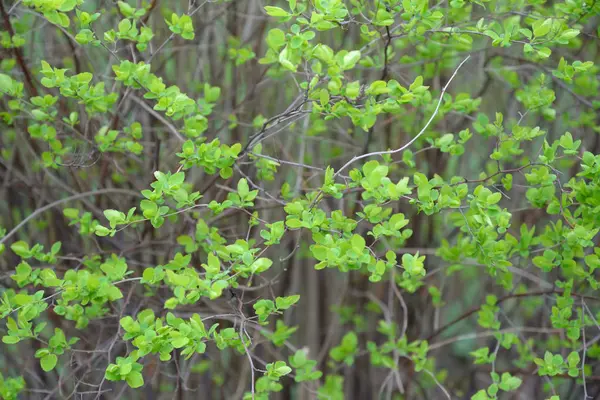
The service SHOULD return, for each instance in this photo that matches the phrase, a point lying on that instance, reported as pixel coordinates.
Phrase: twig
(585, 394)
(158, 117)
(500, 300)
(17, 52)
(380, 153)
(61, 201)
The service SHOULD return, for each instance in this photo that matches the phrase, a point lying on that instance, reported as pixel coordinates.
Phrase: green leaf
(48, 362)
(5, 83)
(541, 28)
(351, 59)
(261, 265)
(358, 243)
(135, 379)
(10, 339)
(283, 303)
(569, 34)
(243, 188)
(494, 198)
(276, 11)
(56, 248)
(20, 248)
(276, 38)
(126, 9)
(377, 88)
(102, 230)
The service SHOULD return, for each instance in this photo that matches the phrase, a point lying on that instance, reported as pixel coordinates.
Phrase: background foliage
(299, 199)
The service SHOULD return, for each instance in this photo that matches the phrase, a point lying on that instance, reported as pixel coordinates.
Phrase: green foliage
(213, 191)
(346, 350)
(126, 369)
(11, 387)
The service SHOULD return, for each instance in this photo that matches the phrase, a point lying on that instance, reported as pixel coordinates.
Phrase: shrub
(307, 199)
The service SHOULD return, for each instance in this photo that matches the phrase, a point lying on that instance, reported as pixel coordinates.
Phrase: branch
(379, 153)
(17, 51)
(500, 300)
(61, 201)
(159, 117)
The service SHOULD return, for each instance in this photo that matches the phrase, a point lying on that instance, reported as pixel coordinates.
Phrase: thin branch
(380, 153)
(158, 117)
(585, 393)
(61, 201)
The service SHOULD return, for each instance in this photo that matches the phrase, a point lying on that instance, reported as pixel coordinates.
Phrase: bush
(317, 199)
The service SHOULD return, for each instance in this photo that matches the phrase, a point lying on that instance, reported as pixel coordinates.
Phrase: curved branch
(380, 153)
(61, 201)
